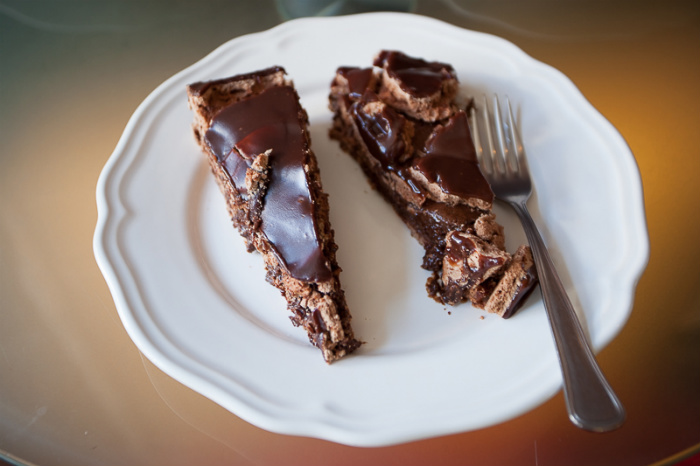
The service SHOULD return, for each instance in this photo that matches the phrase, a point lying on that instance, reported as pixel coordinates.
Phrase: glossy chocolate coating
(418, 77)
(450, 161)
(461, 246)
(273, 120)
(358, 80)
(447, 157)
(381, 132)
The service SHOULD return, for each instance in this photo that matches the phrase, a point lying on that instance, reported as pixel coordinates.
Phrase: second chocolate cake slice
(253, 131)
(400, 120)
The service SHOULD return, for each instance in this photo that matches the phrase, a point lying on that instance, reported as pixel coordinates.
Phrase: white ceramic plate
(197, 305)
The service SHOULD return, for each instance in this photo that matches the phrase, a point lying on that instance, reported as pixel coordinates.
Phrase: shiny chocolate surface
(382, 131)
(450, 161)
(462, 246)
(416, 76)
(271, 122)
(358, 79)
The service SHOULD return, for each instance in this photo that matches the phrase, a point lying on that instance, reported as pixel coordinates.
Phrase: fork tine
(483, 160)
(488, 154)
(500, 156)
(519, 156)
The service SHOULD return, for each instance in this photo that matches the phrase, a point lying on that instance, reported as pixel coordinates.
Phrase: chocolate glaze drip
(416, 76)
(272, 120)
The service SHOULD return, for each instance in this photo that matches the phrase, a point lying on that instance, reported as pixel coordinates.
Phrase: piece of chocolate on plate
(254, 134)
(401, 120)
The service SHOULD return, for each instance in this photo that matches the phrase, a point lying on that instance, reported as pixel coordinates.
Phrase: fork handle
(590, 401)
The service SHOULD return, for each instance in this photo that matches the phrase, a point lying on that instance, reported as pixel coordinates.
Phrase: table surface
(74, 389)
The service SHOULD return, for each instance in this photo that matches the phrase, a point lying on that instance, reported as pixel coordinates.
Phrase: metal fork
(591, 403)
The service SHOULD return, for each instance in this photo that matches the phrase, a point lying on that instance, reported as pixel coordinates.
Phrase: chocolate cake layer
(253, 130)
(400, 120)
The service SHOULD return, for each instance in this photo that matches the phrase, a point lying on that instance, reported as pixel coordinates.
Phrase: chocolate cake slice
(254, 133)
(401, 121)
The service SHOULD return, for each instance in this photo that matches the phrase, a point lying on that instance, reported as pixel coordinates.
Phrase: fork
(590, 401)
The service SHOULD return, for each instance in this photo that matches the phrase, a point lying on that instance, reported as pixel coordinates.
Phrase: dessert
(254, 133)
(401, 121)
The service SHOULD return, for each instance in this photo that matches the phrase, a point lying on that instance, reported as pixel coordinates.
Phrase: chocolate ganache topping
(270, 122)
(358, 79)
(475, 253)
(450, 161)
(382, 129)
(442, 152)
(416, 76)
